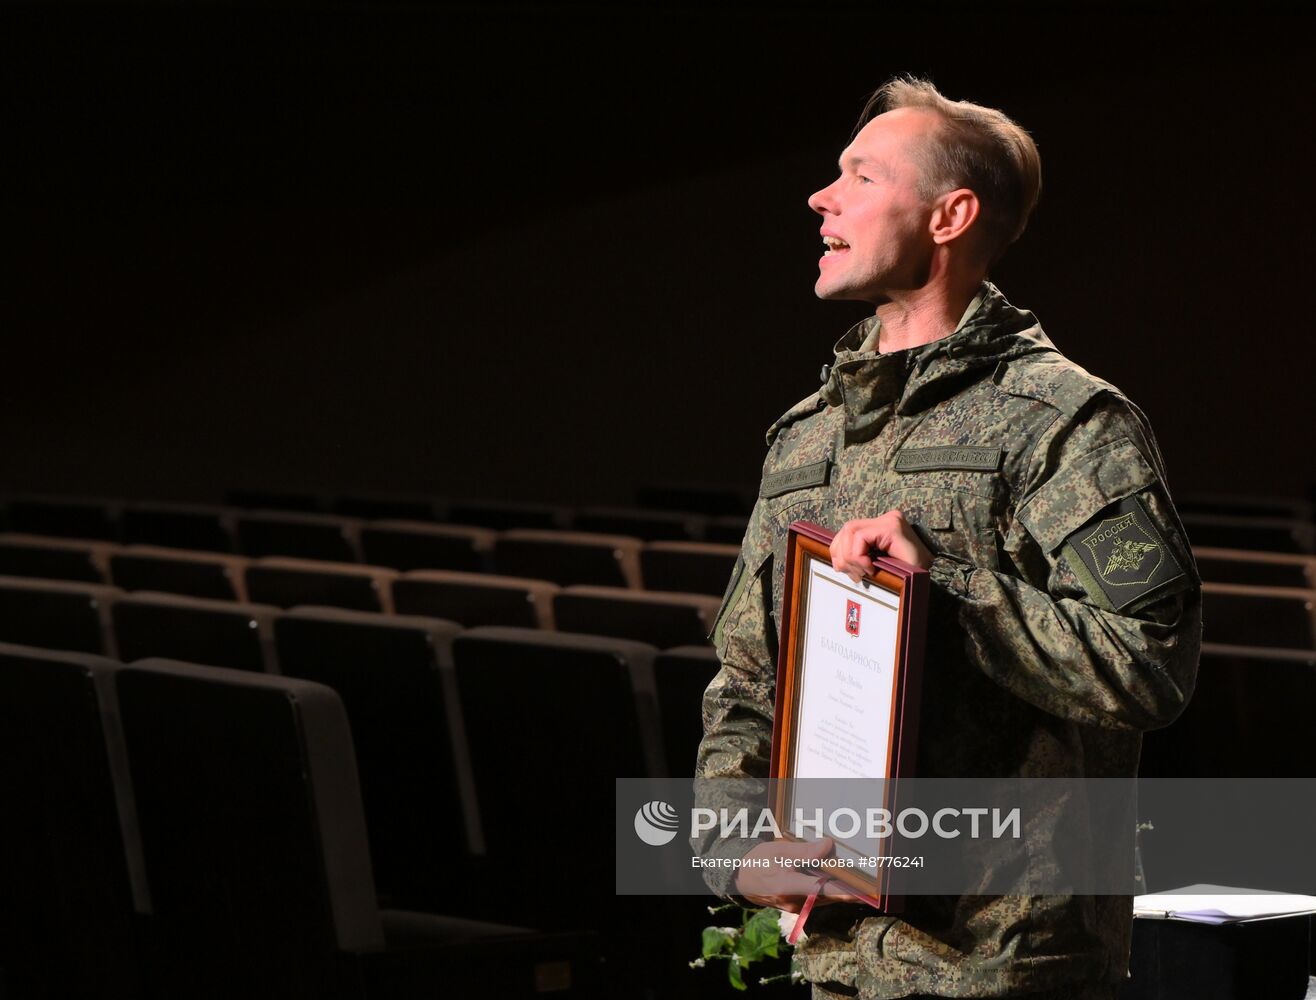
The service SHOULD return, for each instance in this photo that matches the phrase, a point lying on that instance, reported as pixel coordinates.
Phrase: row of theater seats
(562, 557)
(43, 608)
(95, 618)
(180, 831)
(379, 650)
(235, 528)
(486, 762)
(351, 532)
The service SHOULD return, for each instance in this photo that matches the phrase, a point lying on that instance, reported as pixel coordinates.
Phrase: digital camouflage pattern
(1013, 455)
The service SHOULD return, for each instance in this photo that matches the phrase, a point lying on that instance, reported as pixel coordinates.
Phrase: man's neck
(924, 315)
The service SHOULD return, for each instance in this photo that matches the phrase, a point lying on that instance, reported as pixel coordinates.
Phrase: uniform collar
(990, 331)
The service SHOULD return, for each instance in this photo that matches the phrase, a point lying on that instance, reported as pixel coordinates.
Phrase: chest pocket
(953, 522)
(814, 505)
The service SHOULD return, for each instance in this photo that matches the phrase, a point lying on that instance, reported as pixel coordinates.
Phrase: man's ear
(954, 215)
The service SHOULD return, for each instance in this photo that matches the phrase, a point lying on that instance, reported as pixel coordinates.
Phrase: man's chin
(834, 293)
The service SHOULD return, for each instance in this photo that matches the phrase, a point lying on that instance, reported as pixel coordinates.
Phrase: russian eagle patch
(1120, 557)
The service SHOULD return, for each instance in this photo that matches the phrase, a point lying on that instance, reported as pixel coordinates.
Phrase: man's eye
(865, 180)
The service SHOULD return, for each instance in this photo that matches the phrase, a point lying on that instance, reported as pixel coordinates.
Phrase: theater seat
(662, 620)
(179, 526)
(64, 517)
(302, 536)
(287, 582)
(394, 675)
(406, 545)
(569, 557)
(73, 892)
(180, 571)
(57, 615)
(475, 599)
(46, 558)
(214, 633)
(687, 567)
(552, 720)
(255, 847)
(681, 675)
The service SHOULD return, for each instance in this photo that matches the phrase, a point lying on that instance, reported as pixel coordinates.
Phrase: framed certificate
(846, 716)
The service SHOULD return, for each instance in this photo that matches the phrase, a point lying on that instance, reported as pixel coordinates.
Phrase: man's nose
(822, 201)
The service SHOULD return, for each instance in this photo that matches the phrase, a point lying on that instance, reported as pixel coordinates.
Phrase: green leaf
(760, 938)
(718, 942)
(733, 973)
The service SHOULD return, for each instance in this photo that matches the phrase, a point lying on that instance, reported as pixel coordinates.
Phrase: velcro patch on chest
(801, 477)
(1120, 556)
(969, 457)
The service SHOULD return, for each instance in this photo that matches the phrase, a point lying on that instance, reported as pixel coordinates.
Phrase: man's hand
(889, 534)
(787, 886)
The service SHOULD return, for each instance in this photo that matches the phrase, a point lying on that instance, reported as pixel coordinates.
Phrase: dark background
(539, 253)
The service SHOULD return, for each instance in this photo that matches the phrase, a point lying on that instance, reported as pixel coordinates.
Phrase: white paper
(1214, 904)
(847, 677)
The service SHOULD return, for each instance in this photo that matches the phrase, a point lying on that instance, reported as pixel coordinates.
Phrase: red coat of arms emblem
(852, 617)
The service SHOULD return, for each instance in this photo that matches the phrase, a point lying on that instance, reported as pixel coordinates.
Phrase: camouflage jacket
(1051, 645)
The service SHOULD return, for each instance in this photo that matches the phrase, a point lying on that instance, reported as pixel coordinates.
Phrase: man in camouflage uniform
(1065, 609)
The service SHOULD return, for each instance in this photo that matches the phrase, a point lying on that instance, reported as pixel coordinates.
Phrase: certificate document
(846, 720)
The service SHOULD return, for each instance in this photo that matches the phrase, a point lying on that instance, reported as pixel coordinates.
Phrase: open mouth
(834, 245)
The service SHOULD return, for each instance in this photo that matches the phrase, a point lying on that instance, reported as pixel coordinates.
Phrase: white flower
(786, 921)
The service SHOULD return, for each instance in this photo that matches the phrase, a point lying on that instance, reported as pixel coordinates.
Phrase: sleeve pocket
(1081, 490)
(740, 578)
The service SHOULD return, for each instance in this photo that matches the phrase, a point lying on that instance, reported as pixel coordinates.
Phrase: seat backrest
(72, 878)
(681, 676)
(46, 558)
(213, 633)
(252, 829)
(179, 526)
(406, 545)
(57, 615)
(687, 567)
(475, 599)
(394, 675)
(289, 582)
(552, 720)
(180, 571)
(651, 525)
(301, 536)
(64, 517)
(662, 620)
(569, 557)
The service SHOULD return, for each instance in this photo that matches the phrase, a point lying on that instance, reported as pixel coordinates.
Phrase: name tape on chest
(802, 476)
(1120, 556)
(969, 457)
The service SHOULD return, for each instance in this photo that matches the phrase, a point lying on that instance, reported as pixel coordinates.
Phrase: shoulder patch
(809, 404)
(1051, 378)
(1121, 558)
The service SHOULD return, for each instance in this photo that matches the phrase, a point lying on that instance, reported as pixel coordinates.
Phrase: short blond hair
(978, 148)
